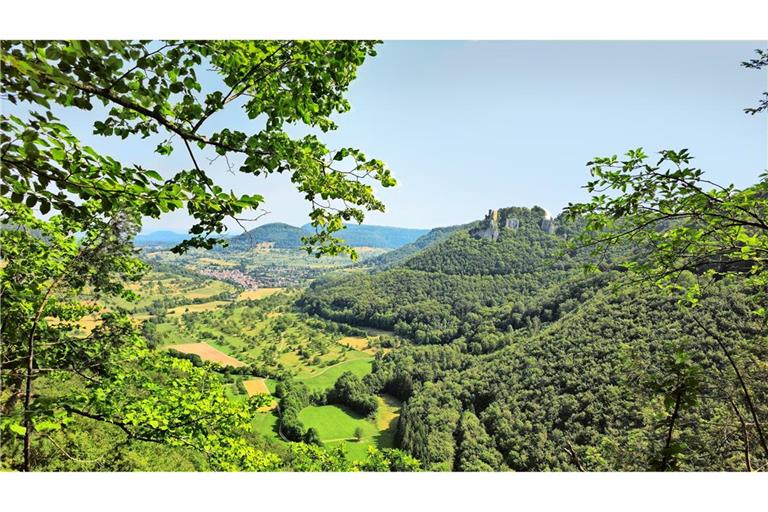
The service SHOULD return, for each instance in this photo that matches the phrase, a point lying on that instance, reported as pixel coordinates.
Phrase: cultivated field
(259, 293)
(255, 386)
(206, 353)
(355, 342)
(259, 386)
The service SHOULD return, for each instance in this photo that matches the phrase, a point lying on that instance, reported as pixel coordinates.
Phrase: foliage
(110, 375)
(557, 369)
(349, 390)
(311, 458)
(294, 396)
(678, 218)
(758, 62)
(152, 89)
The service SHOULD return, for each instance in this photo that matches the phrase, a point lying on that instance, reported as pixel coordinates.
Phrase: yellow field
(356, 342)
(196, 308)
(255, 386)
(259, 293)
(207, 353)
(89, 323)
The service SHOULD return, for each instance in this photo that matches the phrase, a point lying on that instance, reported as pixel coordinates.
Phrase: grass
(386, 419)
(196, 308)
(337, 425)
(265, 423)
(327, 377)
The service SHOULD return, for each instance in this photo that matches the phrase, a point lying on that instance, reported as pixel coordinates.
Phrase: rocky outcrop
(512, 219)
(489, 228)
(548, 226)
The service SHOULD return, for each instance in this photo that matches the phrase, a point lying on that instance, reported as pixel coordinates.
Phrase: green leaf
(17, 429)
(47, 426)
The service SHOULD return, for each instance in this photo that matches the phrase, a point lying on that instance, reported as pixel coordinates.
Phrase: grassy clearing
(327, 377)
(265, 423)
(196, 308)
(336, 425)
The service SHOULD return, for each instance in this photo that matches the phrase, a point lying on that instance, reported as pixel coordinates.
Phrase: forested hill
(384, 237)
(428, 296)
(285, 236)
(514, 358)
(400, 254)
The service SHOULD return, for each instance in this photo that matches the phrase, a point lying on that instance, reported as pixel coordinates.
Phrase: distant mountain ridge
(285, 236)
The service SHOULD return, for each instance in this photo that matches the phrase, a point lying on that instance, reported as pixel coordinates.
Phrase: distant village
(262, 277)
(232, 276)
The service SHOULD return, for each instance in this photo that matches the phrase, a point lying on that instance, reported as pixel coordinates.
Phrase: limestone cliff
(489, 228)
(512, 219)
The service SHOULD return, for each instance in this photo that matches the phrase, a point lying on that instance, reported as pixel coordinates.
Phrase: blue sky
(467, 126)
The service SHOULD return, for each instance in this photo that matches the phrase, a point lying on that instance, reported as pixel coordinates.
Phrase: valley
(191, 278)
(255, 337)
(466, 345)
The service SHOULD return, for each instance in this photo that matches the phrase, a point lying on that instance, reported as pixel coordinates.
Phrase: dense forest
(521, 360)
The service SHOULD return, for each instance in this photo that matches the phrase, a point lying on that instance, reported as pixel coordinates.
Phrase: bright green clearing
(328, 376)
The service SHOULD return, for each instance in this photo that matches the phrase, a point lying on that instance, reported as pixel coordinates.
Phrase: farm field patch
(206, 353)
(258, 293)
(259, 386)
(355, 342)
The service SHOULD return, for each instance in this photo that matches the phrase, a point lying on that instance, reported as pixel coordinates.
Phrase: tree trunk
(28, 384)
(671, 430)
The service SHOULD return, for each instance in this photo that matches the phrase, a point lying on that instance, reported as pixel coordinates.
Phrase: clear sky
(468, 126)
